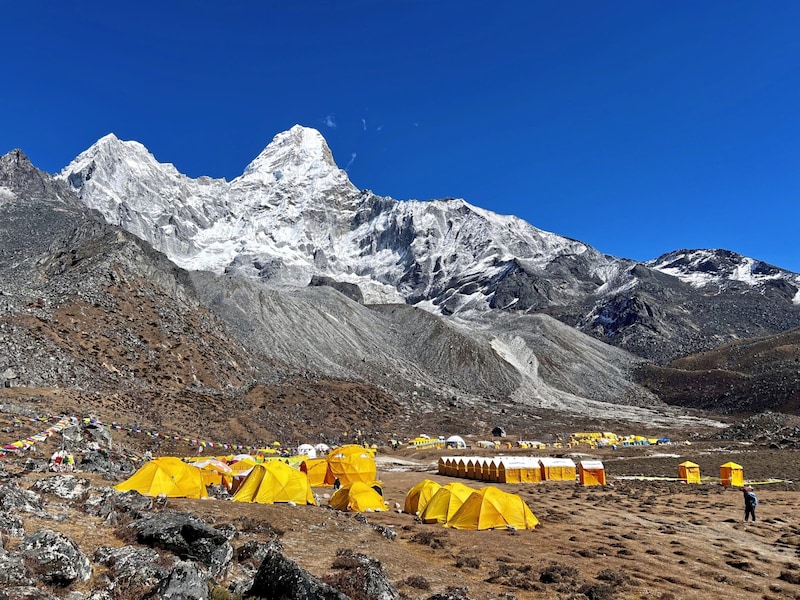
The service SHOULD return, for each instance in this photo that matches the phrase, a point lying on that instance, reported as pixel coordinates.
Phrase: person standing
(750, 503)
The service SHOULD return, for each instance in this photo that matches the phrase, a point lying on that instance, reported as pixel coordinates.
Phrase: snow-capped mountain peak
(702, 267)
(301, 151)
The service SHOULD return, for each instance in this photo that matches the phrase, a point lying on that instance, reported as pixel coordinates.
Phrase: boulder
(131, 567)
(12, 570)
(281, 577)
(99, 461)
(25, 593)
(14, 498)
(185, 582)
(364, 574)
(36, 465)
(55, 558)
(185, 535)
(105, 501)
(67, 487)
(11, 524)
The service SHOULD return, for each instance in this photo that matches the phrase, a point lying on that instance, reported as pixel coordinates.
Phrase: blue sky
(637, 127)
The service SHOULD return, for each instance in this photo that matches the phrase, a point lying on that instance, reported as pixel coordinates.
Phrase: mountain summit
(294, 218)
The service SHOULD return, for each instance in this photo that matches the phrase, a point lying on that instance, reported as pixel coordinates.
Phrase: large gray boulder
(186, 536)
(66, 487)
(55, 558)
(131, 567)
(11, 524)
(12, 570)
(105, 502)
(281, 577)
(185, 582)
(15, 499)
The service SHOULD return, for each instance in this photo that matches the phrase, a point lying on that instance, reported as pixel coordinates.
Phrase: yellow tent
(352, 463)
(689, 472)
(318, 472)
(357, 497)
(445, 502)
(418, 496)
(731, 474)
(591, 472)
(275, 482)
(491, 508)
(168, 476)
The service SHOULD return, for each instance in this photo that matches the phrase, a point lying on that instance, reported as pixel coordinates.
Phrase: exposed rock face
(186, 536)
(56, 559)
(280, 577)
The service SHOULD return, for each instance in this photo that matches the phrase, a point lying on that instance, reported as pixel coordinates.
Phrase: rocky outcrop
(55, 558)
(281, 577)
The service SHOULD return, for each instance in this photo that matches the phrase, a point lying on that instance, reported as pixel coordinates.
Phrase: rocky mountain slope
(744, 376)
(90, 308)
(293, 217)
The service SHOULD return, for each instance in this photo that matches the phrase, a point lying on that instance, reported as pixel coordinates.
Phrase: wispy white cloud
(351, 161)
(379, 127)
(364, 123)
(329, 121)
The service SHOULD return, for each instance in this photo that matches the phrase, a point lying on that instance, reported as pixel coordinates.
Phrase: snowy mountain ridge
(293, 214)
(293, 218)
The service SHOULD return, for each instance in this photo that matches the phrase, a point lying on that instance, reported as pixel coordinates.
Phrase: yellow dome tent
(731, 474)
(318, 472)
(275, 482)
(445, 502)
(357, 497)
(167, 476)
(689, 472)
(352, 463)
(492, 508)
(418, 496)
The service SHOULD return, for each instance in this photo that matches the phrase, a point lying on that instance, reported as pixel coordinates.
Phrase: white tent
(322, 448)
(455, 441)
(308, 450)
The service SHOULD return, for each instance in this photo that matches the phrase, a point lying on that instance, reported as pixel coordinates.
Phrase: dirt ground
(631, 539)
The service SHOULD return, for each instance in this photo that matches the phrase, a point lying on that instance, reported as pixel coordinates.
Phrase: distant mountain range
(290, 271)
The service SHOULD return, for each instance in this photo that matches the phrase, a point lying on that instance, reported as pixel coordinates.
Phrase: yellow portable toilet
(492, 508)
(731, 474)
(445, 502)
(591, 472)
(273, 482)
(418, 496)
(167, 476)
(689, 472)
(357, 497)
(352, 463)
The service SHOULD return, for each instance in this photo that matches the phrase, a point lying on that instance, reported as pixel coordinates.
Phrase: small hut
(689, 472)
(591, 472)
(731, 474)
